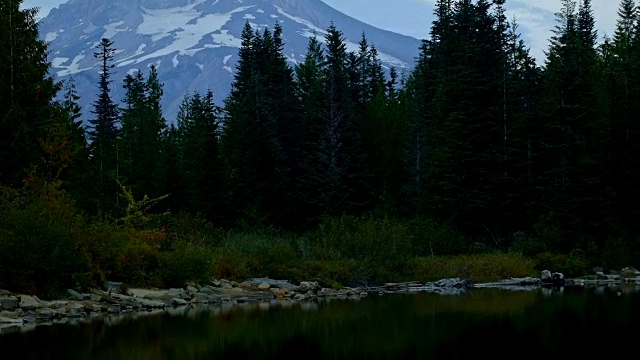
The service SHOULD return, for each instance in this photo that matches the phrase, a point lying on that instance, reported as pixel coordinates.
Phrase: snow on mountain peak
(193, 43)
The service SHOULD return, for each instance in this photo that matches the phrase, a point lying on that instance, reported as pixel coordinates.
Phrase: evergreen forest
(479, 162)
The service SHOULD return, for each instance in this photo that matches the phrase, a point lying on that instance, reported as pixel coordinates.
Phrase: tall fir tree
(26, 94)
(103, 133)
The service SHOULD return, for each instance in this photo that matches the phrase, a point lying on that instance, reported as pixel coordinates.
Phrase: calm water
(499, 323)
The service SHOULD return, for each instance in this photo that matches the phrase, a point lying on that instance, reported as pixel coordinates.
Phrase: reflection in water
(498, 323)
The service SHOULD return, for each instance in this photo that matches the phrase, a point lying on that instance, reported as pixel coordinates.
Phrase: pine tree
(103, 132)
(202, 172)
(26, 93)
(256, 120)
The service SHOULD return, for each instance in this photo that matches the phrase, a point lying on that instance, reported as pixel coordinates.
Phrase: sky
(536, 17)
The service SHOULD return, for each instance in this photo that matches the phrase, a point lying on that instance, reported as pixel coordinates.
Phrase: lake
(542, 323)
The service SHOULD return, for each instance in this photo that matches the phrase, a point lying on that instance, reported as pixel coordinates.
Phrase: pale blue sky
(407, 16)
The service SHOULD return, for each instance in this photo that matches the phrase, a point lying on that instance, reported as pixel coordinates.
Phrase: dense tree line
(477, 137)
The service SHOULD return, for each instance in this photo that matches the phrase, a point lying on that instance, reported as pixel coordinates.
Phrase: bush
(379, 241)
(433, 238)
(571, 265)
(187, 261)
(40, 251)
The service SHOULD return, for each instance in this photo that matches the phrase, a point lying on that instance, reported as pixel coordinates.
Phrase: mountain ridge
(193, 43)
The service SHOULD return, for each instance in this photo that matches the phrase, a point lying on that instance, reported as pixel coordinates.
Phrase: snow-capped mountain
(193, 43)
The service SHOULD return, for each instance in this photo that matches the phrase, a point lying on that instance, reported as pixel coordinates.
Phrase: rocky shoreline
(24, 312)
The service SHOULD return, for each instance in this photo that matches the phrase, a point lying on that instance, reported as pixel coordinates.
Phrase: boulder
(151, 304)
(545, 276)
(264, 287)
(452, 282)
(247, 285)
(601, 276)
(29, 302)
(4, 320)
(45, 314)
(306, 286)
(299, 297)
(206, 290)
(74, 295)
(11, 314)
(179, 302)
(9, 302)
(326, 292)
(192, 289)
(113, 287)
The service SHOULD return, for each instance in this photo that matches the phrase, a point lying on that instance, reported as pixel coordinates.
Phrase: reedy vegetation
(330, 169)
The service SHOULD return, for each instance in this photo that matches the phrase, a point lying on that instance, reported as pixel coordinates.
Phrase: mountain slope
(194, 43)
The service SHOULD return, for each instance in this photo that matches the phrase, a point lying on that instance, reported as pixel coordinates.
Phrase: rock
(113, 287)
(206, 298)
(326, 292)
(299, 297)
(29, 302)
(45, 314)
(9, 302)
(280, 295)
(236, 291)
(179, 302)
(206, 290)
(545, 276)
(597, 269)
(306, 286)
(57, 304)
(558, 279)
(11, 314)
(193, 289)
(216, 283)
(4, 320)
(76, 313)
(453, 282)
(151, 304)
(234, 284)
(246, 285)
(77, 296)
(601, 276)
(264, 287)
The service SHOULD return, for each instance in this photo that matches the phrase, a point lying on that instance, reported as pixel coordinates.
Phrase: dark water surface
(573, 324)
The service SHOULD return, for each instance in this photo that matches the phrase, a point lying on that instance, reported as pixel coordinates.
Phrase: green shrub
(381, 241)
(186, 261)
(571, 265)
(39, 248)
(434, 238)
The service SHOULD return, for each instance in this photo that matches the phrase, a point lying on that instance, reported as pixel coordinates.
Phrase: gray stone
(299, 297)
(264, 287)
(206, 290)
(545, 276)
(77, 296)
(29, 302)
(326, 292)
(247, 285)
(306, 286)
(215, 282)
(192, 289)
(179, 302)
(601, 276)
(76, 313)
(11, 314)
(453, 282)
(4, 320)
(9, 302)
(113, 287)
(45, 314)
(151, 304)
